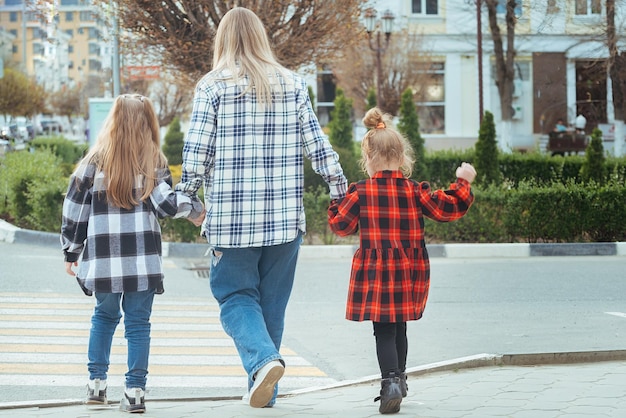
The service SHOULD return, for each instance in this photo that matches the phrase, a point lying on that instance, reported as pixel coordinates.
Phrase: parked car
(25, 128)
(8, 129)
(50, 127)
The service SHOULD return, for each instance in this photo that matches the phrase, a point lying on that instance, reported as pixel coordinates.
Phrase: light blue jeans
(137, 307)
(252, 287)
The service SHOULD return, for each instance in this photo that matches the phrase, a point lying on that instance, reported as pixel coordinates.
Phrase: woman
(251, 124)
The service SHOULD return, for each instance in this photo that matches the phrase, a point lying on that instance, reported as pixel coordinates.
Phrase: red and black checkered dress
(390, 271)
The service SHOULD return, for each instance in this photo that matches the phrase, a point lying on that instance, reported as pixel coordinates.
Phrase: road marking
(44, 337)
(620, 314)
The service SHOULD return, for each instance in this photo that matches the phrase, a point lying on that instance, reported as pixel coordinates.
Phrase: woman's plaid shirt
(249, 156)
(121, 248)
(390, 271)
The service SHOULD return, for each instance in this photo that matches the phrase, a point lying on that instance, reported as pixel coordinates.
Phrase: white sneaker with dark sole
(96, 392)
(265, 381)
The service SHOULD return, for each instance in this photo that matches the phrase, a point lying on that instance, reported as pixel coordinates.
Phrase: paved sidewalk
(593, 389)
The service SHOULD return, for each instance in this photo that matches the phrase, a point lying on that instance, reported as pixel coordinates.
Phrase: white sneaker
(265, 381)
(133, 401)
(96, 392)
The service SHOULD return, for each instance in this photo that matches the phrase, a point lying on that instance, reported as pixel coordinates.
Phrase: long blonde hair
(383, 144)
(243, 48)
(128, 151)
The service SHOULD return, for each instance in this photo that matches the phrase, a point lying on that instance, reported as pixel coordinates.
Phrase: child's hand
(68, 267)
(466, 171)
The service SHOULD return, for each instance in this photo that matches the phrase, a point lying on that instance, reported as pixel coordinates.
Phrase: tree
(19, 95)
(173, 143)
(340, 136)
(301, 31)
(66, 102)
(486, 148)
(405, 64)
(172, 97)
(504, 62)
(616, 64)
(409, 126)
(593, 168)
(371, 98)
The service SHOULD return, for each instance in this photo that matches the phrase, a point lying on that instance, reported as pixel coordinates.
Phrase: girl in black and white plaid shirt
(110, 221)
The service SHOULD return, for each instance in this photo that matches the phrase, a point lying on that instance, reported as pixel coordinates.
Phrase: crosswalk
(43, 341)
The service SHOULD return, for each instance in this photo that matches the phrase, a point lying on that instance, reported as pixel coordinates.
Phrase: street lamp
(386, 24)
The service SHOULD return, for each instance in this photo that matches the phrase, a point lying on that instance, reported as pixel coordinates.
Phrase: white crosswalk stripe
(43, 340)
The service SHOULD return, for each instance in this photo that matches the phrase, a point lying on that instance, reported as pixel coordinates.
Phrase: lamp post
(379, 48)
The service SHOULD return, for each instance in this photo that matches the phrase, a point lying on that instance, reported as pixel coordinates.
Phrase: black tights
(391, 347)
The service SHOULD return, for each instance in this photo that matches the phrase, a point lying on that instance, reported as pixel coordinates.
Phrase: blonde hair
(243, 48)
(128, 151)
(383, 144)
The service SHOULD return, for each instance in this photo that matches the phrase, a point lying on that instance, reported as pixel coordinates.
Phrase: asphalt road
(482, 305)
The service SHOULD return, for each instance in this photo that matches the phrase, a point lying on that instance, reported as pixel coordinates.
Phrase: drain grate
(201, 271)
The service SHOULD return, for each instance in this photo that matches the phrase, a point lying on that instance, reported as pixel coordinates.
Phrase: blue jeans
(252, 287)
(137, 307)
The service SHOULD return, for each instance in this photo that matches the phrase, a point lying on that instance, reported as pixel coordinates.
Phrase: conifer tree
(340, 135)
(409, 126)
(173, 143)
(593, 167)
(487, 152)
(371, 98)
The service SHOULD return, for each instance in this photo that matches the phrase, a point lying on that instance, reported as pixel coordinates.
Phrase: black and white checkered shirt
(121, 248)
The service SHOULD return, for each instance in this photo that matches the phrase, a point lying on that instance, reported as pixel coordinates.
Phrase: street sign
(142, 72)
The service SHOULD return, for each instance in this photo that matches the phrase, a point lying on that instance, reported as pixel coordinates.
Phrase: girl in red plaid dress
(390, 271)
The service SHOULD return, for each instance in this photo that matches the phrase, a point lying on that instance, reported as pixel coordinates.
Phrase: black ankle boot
(403, 385)
(390, 395)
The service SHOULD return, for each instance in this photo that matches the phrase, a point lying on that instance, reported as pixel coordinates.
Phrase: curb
(12, 234)
(469, 362)
(488, 360)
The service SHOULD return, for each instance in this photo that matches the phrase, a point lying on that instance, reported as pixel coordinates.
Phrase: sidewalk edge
(469, 362)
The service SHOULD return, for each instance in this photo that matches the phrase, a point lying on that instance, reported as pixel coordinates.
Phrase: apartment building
(560, 67)
(66, 44)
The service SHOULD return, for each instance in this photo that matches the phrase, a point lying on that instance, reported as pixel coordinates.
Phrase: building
(66, 45)
(560, 68)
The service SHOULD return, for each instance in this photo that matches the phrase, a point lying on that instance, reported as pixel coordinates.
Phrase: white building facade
(560, 67)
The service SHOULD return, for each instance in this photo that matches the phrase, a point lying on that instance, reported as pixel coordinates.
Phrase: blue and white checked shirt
(121, 248)
(249, 156)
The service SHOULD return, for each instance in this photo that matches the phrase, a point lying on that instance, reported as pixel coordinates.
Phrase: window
(70, 32)
(588, 7)
(38, 48)
(326, 86)
(501, 7)
(94, 49)
(424, 7)
(13, 2)
(69, 2)
(81, 31)
(86, 16)
(70, 49)
(93, 33)
(69, 16)
(95, 65)
(12, 16)
(13, 32)
(432, 110)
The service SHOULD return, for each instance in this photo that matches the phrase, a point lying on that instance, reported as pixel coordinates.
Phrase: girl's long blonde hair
(382, 143)
(243, 48)
(128, 151)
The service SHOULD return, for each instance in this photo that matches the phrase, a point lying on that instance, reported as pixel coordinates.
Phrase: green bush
(32, 187)
(68, 151)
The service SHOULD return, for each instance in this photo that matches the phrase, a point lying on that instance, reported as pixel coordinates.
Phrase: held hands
(200, 219)
(466, 171)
